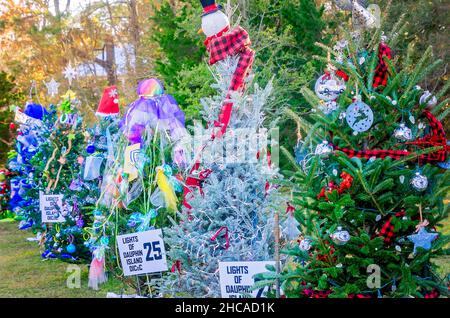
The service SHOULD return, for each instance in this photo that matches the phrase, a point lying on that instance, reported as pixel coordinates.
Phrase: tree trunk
(110, 65)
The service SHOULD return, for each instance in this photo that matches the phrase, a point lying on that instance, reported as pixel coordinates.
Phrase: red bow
(176, 266)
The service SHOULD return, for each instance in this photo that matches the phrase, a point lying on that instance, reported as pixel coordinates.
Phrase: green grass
(23, 272)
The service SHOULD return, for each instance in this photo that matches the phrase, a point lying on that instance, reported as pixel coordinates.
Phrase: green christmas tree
(368, 188)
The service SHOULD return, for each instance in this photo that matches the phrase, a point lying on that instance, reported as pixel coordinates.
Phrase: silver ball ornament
(323, 149)
(419, 182)
(305, 245)
(340, 237)
(403, 133)
(429, 99)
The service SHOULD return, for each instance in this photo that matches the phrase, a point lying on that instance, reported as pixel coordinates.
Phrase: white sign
(51, 207)
(236, 278)
(24, 119)
(142, 252)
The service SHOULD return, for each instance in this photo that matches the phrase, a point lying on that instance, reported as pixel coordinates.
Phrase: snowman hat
(210, 6)
(109, 104)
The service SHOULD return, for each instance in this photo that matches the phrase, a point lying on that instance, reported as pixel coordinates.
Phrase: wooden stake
(277, 253)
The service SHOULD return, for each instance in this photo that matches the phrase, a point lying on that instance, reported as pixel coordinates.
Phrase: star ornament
(422, 239)
(52, 87)
(70, 73)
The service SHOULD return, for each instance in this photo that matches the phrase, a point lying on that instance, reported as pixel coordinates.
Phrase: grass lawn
(23, 273)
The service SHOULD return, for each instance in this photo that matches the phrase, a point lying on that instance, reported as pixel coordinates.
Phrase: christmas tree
(370, 178)
(228, 208)
(140, 184)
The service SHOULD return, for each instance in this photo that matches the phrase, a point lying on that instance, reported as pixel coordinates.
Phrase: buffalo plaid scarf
(236, 42)
(381, 72)
(436, 138)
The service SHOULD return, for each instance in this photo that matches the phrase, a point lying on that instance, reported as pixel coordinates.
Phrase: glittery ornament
(359, 116)
(419, 182)
(340, 237)
(328, 87)
(422, 239)
(429, 99)
(305, 244)
(403, 133)
(323, 149)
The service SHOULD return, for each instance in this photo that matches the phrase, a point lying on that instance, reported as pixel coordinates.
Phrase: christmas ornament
(305, 244)
(429, 99)
(328, 107)
(403, 133)
(70, 73)
(90, 149)
(445, 164)
(52, 87)
(323, 149)
(328, 87)
(109, 103)
(290, 229)
(359, 116)
(340, 237)
(165, 187)
(419, 182)
(362, 17)
(71, 248)
(422, 239)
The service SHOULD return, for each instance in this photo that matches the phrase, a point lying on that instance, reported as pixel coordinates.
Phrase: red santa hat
(109, 104)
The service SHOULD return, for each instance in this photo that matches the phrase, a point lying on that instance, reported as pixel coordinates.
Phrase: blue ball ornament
(71, 248)
(90, 149)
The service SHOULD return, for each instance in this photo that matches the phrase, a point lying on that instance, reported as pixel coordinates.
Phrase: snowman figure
(214, 21)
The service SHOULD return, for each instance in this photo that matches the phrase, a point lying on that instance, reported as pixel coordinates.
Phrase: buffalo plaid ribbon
(381, 72)
(436, 138)
(387, 231)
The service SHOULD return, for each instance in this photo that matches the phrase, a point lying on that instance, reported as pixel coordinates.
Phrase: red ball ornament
(12, 126)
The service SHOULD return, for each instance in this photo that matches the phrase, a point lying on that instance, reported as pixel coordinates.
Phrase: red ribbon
(176, 266)
(227, 239)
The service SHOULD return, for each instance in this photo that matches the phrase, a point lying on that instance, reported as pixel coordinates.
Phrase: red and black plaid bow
(436, 138)
(381, 72)
(387, 231)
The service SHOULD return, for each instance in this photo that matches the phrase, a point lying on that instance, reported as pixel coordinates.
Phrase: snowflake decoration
(113, 93)
(52, 87)
(70, 73)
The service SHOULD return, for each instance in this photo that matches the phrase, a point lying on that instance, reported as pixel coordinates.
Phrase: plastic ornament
(70, 73)
(90, 149)
(403, 133)
(328, 87)
(305, 244)
(340, 237)
(359, 116)
(429, 99)
(419, 182)
(323, 149)
(12, 126)
(71, 248)
(52, 87)
(135, 219)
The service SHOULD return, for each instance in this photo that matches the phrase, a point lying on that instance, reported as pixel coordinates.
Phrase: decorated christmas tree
(140, 184)
(228, 203)
(370, 178)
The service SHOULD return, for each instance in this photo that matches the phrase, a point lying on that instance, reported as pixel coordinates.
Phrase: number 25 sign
(142, 253)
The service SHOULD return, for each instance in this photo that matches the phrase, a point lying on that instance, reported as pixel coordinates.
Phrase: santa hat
(209, 6)
(109, 104)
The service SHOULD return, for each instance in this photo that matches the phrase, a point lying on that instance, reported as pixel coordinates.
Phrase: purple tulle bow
(160, 111)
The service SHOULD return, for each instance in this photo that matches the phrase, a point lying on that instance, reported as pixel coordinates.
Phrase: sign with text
(236, 278)
(142, 253)
(51, 206)
(24, 119)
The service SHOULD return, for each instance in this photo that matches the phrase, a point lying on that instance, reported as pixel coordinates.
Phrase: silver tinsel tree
(232, 220)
